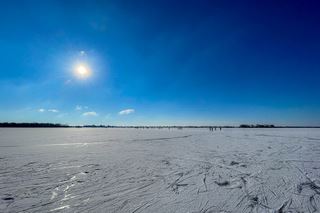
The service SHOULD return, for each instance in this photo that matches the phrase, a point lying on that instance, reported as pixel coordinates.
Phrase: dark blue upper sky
(161, 62)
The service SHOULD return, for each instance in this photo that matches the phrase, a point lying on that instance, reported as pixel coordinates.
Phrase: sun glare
(82, 71)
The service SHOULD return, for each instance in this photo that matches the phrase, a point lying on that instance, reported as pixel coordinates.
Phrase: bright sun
(82, 71)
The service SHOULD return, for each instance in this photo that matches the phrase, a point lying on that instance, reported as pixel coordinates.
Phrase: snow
(151, 170)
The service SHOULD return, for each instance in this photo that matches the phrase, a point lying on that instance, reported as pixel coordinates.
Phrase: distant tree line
(57, 125)
(32, 125)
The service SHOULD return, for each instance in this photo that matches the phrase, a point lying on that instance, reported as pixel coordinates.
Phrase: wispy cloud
(49, 110)
(90, 113)
(82, 53)
(126, 111)
(53, 110)
(78, 108)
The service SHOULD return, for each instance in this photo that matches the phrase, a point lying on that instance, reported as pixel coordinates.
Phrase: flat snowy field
(189, 170)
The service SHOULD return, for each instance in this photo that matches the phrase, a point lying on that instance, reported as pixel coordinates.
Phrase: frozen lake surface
(135, 170)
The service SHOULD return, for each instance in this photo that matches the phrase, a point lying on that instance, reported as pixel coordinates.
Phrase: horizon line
(59, 125)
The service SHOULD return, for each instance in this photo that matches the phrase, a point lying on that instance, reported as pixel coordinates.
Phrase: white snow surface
(159, 170)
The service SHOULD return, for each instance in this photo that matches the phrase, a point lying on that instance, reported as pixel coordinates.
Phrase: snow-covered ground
(135, 170)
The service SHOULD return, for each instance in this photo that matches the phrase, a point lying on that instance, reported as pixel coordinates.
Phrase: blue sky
(160, 62)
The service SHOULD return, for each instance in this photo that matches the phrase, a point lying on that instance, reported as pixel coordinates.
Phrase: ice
(159, 170)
